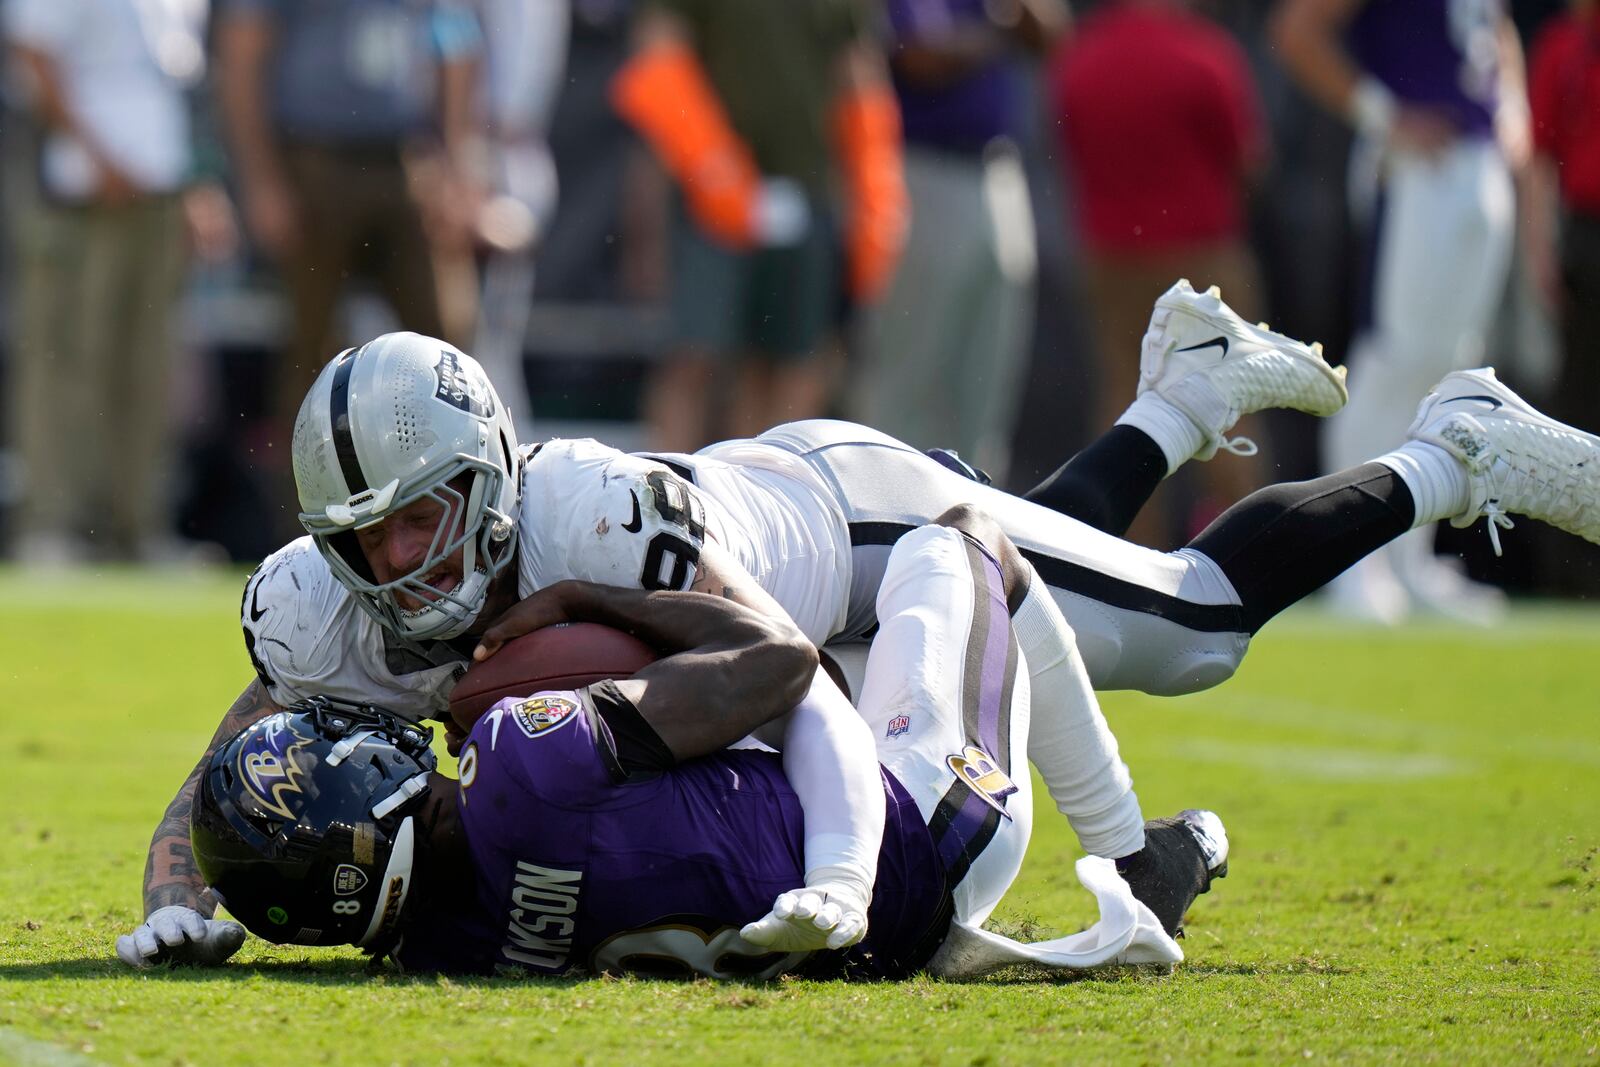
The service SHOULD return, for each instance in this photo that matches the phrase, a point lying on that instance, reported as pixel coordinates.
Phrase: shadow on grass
(1300, 965)
(354, 971)
(1155, 974)
(334, 971)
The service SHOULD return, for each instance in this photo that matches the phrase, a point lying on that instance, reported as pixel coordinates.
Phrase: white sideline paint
(24, 1051)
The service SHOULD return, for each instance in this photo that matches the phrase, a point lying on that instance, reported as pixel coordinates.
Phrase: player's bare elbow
(790, 661)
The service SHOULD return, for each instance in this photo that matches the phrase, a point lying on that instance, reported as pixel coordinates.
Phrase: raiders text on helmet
(401, 418)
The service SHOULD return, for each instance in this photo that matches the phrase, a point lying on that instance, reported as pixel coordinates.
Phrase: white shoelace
(1239, 446)
(1543, 502)
(1498, 520)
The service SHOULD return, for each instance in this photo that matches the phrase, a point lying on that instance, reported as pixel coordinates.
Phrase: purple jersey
(580, 868)
(1442, 54)
(971, 111)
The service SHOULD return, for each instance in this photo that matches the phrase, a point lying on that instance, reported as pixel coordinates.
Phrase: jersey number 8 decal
(346, 907)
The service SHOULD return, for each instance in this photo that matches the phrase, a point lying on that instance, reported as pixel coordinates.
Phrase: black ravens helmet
(302, 824)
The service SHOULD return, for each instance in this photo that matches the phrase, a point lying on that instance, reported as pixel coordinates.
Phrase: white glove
(176, 934)
(783, 214)
(827, 915)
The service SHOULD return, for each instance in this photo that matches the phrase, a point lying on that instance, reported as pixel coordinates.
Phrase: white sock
(1069, 741)
(1176, 434)
(1437, 480)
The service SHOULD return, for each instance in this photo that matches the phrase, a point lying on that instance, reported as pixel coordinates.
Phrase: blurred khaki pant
(943, 359)
(91, 360)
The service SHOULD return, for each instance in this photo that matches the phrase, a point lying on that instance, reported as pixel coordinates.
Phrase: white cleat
(1215, 367)
(1518, 460)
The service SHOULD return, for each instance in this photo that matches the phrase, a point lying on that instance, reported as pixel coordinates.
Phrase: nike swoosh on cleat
(1491, 401)
(1221, 342)
(633, 524)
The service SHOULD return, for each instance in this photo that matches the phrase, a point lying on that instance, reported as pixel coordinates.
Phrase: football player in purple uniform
(583, 834)
(419, 503)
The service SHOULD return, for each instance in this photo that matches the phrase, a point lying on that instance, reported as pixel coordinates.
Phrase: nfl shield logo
(898, 725)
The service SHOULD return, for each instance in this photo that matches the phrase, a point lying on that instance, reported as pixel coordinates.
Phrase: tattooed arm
(170, 876)
(178, 907)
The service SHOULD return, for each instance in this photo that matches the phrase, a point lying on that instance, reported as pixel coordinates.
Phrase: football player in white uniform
(409, 478)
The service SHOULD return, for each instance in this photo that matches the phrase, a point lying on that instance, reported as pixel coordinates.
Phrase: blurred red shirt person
(1160, 122)
(1161, 130)
(1564, 97)
(1562, 228)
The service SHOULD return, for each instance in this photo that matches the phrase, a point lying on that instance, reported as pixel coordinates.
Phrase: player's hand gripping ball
(569, 656)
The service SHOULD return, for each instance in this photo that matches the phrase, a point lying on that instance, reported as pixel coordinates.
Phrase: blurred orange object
(866, 128)
(664, 93)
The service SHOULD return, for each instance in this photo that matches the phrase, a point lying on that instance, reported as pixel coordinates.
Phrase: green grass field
(1416, 856)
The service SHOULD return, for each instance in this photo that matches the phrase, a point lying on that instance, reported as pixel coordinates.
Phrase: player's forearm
(170, 874)
(831, 761)
(730, 668)
(673, 621)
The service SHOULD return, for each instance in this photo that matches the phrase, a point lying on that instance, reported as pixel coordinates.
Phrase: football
(568, 656)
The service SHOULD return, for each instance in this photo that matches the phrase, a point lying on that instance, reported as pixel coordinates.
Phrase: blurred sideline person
(1434, 89)
(100, 209)
(1563, 231)
(943, 358)
(1161, 136)
(524, 66)
(323, 101)
(567, 801)
(759, 109)
(419, 502)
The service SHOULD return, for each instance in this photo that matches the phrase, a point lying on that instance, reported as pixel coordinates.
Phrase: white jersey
(588, 512)
(591, 512)
(307, 636)
(810, 510)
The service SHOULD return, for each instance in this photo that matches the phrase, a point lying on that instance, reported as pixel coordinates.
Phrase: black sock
(1286, 541)
(1107, 483)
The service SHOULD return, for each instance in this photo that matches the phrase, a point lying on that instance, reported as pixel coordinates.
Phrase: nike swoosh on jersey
(634, 524)
(1221, 342)
(1491, 401)
(256, 610)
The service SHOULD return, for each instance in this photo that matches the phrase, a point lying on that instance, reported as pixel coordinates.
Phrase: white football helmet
(401, 418)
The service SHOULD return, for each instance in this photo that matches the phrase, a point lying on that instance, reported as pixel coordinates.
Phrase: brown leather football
(569, 656)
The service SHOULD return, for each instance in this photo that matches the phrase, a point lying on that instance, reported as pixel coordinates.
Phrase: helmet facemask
(402, 419)
(467, 524)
